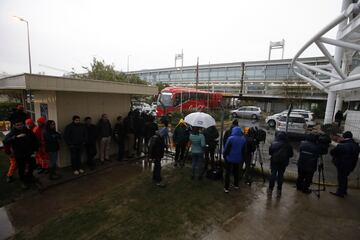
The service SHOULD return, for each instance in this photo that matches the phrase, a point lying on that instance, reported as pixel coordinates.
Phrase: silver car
(296, 125)
(246, 112)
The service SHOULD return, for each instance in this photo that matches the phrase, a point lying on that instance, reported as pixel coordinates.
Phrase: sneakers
(226, 190)
(160, 184)
(81, 171)
(76, 172)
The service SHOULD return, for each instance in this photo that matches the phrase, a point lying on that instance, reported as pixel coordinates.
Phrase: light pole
(28, 38)
(128, 62)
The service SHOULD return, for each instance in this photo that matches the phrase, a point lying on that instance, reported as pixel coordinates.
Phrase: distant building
(271, 83)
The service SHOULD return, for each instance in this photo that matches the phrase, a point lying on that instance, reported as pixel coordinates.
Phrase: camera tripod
(321, 178)
(250, 169)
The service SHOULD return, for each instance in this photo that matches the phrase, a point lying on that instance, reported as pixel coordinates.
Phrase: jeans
(75, 154)
(342, 182)
(157, 170)
(90, 149)
(22, 162)
(277, 174)
(197, 164)
(53, 159)
(234, 168)
(179, 153)
(209, 157)
(104, 148)
(121, 150)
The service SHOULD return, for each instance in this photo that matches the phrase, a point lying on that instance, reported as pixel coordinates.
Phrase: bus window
(165, 99)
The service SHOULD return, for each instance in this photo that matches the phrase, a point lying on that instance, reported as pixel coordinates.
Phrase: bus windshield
(165, 99)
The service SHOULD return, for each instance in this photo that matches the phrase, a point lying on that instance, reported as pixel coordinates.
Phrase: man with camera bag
(156, 153)
(345, 156)
(280, 151)
(307, 163)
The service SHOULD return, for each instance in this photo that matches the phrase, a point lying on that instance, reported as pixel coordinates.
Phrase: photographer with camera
(280, 151)
(307, 163)
(345, 156)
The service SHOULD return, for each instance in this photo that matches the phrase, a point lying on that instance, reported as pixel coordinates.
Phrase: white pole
(330, 104)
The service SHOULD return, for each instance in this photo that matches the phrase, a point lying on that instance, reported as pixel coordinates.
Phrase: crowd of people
(32, 146)
(35, 146)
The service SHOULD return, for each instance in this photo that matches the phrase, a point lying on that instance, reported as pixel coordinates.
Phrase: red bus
(176, 99)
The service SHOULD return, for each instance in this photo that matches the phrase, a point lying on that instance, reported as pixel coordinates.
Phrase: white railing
(335, 74)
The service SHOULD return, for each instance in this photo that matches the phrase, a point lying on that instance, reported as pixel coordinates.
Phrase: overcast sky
(67, 34)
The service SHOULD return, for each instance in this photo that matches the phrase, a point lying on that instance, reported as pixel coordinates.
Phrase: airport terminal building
(271, 83)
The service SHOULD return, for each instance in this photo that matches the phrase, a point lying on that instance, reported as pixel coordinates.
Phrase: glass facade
(268, 77)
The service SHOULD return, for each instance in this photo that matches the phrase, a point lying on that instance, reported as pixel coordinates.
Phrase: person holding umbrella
(197, 143)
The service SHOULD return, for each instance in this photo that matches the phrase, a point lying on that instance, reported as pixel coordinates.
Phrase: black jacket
(156, 147)
(150, 129)
(22, 146)
(308, 157)
(275, 147)
(75, 134)
(91, 134)
(119, 132)
(18, 115)
(211, 135)
(104, 128)
(52, 139)
(345, 155)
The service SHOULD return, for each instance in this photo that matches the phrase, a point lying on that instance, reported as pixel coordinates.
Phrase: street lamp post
(28, 39)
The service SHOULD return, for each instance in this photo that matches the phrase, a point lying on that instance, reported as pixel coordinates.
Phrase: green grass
(139, 210)
(8, 191)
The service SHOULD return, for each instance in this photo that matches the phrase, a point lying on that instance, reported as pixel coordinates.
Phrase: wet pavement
(291, 171)
(294, 216)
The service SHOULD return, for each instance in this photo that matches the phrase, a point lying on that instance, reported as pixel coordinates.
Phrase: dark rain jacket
(75, 135)
(211, 135)
(156, 147)
(280, 144)
(345, 155)
(22, 146)
(52, 139)
(309, 154)
(235, 146)
(181, 134)
(104, 128)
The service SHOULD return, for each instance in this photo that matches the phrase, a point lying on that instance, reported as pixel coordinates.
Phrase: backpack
(156, 146)
(280, 156)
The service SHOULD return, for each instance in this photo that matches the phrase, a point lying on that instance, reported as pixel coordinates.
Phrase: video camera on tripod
(258, 135)
(323, 141)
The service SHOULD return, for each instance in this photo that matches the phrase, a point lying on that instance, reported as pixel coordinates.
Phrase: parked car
(296, 125)
(141, 106)
(271, 120)
(309, 117)
(246, 112)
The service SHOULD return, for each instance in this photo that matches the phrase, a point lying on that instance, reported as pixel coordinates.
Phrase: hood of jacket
(236, 131)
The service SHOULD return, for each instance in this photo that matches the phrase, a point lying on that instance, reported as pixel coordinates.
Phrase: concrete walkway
(294, 216)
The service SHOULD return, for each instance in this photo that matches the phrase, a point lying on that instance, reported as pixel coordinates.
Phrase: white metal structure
(277, 45)
(338, 83)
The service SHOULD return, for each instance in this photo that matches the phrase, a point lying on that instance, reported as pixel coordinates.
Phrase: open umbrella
(200, 119)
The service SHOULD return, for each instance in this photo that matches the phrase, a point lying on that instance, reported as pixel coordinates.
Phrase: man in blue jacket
(234, 156)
